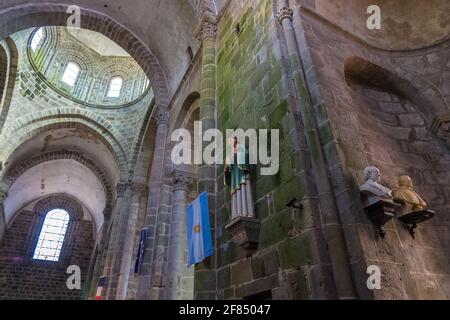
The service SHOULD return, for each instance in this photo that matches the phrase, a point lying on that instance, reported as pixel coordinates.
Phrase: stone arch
(13, 174)
(186, 109)
(111, 138)
(389, 127)
(60, 201)
(7, 78)
(188, 113)
(22, 17)
(202, 6)
(395, 120)
(141, 137)
(363, 72)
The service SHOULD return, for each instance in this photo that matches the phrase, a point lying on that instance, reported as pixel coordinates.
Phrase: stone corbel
(245, 231)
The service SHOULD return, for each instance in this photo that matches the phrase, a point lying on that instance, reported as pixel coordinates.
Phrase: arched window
(71, 74)
(52, 235)
(37, 39)
(115, 86)
(146, 83)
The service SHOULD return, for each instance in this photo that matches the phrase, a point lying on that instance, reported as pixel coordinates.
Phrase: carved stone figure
(237, 177)
(407, 196)
(372, 188)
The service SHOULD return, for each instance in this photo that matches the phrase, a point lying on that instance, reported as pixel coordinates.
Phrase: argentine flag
(198, 230)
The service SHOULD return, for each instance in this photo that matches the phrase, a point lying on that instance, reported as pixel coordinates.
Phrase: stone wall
(381, 115)
(252, 93)
(21, 277)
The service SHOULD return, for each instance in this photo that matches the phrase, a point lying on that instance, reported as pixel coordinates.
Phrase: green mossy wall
(252, 93)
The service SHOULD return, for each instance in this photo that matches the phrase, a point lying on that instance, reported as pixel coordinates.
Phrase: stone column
(102, 247)
(329, 214)
(116, 241)
(143, 290)
(205, 274)
(3, 195)
(176, 263)
(137, 191)
(111, 249)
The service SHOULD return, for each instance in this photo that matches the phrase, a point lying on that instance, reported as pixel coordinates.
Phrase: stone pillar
(205, 273)
(176, 263)
(143, 290)
(127, 253)
(116, 241)
(102, 247)
(329, 214)
(3, 195)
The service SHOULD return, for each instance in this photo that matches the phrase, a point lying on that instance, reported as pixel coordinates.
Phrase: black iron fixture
(294, 203)
(380, 213)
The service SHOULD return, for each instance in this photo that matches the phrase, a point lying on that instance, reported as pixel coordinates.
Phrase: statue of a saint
(372, 188)
(407, 196)
(237, 177)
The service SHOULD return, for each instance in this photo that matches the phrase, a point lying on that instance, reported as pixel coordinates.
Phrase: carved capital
(121, 188)
(139, 187)
(3, 192)
(162, 117)
(284, 13)
(208, 30)
(441, 127)
(182, 180)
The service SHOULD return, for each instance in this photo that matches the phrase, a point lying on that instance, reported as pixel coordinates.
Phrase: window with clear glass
(146, 83)
(115, 86)
(52, 235)
(37, 39)
(71, 74)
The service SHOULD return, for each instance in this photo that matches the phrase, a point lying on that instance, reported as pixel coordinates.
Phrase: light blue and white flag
(198, 230)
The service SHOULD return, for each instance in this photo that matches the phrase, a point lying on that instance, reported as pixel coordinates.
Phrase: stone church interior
(354, 96)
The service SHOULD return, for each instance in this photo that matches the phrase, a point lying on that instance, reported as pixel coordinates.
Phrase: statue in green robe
(237, 177)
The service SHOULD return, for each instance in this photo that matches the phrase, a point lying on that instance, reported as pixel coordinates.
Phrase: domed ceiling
(86, 67)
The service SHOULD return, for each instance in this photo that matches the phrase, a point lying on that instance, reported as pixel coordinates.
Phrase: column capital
(3, 192)
(284, 13)
(121, 187)
(139, 187)
(162, 117)
(181, 180)
(208, 30)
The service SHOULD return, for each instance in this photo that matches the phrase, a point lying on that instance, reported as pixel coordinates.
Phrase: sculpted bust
(372, 189)
(406, 195)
